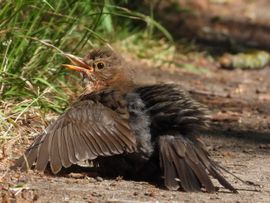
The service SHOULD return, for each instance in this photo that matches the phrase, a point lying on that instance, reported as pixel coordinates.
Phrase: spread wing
(87, 130)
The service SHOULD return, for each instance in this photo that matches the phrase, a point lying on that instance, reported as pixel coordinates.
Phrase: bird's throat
(123, 86)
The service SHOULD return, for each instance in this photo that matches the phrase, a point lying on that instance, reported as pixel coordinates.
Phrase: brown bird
(139, 132)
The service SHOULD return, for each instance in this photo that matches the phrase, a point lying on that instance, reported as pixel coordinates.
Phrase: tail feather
(215, 173)
(212, 167)
(169, 172)
(188, 180)
(187, 161)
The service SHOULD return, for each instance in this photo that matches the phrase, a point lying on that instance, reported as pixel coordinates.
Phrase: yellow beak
(77, 64)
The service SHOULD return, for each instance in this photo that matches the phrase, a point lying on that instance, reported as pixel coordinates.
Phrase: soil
(239, 101)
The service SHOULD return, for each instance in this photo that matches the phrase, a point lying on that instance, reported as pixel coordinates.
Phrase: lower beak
(72, 67)
(77, 64)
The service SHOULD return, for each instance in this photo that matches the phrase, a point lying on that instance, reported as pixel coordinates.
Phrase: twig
(46, 43)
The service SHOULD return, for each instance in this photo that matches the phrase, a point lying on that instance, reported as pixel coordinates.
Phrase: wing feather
(99, 142)
(124, 138)
(70, 143)
(118, 143)
(87, 130)
(91, 154)
(90, 141)
(108, 140)
(43, 154)
(63, 150)
(82, 151)
(30, 156)
(55, 160)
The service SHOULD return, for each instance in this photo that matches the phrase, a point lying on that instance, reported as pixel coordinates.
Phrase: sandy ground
(240, 141)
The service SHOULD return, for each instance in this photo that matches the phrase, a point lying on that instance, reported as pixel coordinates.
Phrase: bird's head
(102, 68)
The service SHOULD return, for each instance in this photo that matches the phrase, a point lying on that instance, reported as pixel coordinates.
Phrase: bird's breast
(140, 123)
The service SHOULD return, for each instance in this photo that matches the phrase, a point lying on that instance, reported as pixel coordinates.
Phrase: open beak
(77, 64)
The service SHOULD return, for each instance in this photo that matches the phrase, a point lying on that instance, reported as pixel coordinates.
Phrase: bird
(126, 129)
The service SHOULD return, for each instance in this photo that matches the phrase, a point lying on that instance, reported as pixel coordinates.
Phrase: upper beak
(77, 63)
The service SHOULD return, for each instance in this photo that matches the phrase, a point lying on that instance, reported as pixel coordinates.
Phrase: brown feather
(188, 168)
(89, 148)
(124, 138)
(79, 144)
(201, 174)
(69, 138)
(169, 170)
(188, 180)
(212, 167)
(43, 153)
(55, 160)
(30, 156)
(118, 145)
(63, 150)
(221, 179)
(90, 142)
(97, 142)
(107, 140)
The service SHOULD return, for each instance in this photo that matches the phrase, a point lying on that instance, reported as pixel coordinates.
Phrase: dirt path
(240, 105)
(248, 161)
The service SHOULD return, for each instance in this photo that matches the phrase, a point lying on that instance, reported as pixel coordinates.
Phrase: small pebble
(99, 179)
(95, 194)
(150, 194)
(118, 178)
(76, 175)
(113, 184)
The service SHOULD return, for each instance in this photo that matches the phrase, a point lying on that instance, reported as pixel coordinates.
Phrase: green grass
(32, 36)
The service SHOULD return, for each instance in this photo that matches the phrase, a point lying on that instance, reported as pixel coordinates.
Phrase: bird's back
(171, 109)
(175, 120)
(153, 111)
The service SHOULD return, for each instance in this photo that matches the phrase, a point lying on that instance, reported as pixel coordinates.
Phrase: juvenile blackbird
(138, 132)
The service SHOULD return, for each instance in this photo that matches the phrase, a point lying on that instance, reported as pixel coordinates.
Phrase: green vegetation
(252, 59)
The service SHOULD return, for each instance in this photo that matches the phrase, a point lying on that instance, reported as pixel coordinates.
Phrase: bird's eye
(100, 65)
